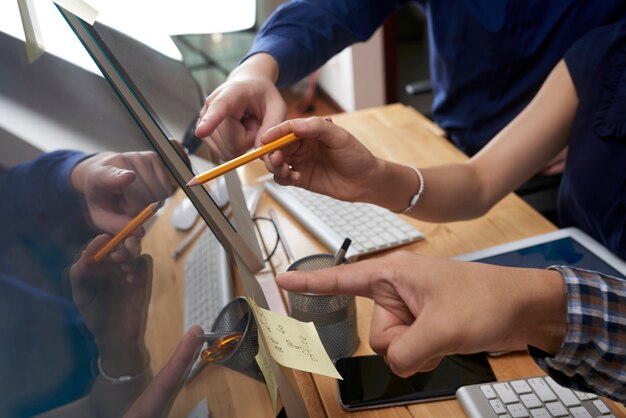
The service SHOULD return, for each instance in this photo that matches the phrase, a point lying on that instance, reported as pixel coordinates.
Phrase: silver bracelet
(117, 380)
(416, 197)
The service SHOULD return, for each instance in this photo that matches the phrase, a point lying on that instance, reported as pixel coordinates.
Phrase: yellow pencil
(143, 216)
(241, 160)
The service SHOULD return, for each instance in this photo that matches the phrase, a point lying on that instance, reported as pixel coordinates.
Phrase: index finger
(349, 279)
(161, 392)
(218, 110)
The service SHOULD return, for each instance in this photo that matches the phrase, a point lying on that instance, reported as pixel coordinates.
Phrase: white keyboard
(537, 397)
(370, 227)
(208, 284)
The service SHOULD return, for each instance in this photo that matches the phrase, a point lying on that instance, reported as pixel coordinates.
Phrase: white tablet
(568, 246)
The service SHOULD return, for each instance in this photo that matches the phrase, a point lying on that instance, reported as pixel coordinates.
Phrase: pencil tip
(192, 182)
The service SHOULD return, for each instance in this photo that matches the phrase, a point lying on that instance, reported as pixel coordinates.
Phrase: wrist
(77, 175)
(406, 183)
(260, 65)
(544, 310)
(124, 362)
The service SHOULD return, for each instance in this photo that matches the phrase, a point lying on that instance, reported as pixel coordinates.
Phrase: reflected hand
(240, 110)
(158, 397)
(426, 308)
(117, 187)
(112, 297)
(327, 159)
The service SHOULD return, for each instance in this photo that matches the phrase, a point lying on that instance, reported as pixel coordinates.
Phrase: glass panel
(85, 330)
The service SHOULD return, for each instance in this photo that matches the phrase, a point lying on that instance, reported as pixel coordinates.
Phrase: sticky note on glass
(264, 364)
(293, 343)
(32, 33)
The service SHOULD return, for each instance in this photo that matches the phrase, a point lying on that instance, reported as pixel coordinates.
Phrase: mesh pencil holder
(237, 316)
(334, 316)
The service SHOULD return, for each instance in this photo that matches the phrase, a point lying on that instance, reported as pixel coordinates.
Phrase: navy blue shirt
(488, 58)
(593, 188)
(46, 354)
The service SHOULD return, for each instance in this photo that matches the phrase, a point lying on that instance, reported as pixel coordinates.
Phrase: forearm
(451, 192)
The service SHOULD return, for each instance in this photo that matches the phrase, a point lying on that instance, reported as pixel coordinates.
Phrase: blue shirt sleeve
(303, 34)
(586, 54)
(37, 198)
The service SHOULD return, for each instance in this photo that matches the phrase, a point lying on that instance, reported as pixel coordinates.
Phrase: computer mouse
(219, 192)
(184, 215)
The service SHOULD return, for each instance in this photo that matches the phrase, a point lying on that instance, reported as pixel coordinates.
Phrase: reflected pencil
(243, 159)
(132, 226)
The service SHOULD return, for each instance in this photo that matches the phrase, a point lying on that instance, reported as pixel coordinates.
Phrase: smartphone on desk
(369, 383)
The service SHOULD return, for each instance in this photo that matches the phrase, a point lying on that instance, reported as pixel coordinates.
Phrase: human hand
(112, 297)
(327, 159)
(427, 308)
(117, 187)
(157, 398)
(236, 114)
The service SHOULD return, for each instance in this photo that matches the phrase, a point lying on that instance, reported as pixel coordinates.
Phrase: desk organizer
(237, 316)
(334, 316)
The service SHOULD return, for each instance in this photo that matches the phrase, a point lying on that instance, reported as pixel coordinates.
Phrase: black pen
(341, 252)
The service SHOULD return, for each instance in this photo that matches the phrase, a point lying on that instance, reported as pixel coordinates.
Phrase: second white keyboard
(208, 282)
(537, 397)
(208, 285)
(370, 227)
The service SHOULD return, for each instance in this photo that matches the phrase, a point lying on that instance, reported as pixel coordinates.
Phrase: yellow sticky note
(264, 364)
(293, 343)
(32, 33)
(80, 8)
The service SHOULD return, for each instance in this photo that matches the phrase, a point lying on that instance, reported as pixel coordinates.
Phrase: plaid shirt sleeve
(592, 357)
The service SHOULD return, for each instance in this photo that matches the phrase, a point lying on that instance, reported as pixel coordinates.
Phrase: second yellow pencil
(243, 159)
(142, 217)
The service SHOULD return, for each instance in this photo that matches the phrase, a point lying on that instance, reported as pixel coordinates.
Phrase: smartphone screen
(369, 383)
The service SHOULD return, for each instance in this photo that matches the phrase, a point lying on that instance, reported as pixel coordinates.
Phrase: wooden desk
(396, 133)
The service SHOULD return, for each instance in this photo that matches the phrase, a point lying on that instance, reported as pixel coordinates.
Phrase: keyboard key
(557, 409)
(542, 389)
(566, 395)
(517, 410)
(601, 407)
(520, 387)
(506, 393)
(497, 406)
(580, 412)
(530, 400)
(540, 413)
(581, 395)
(488, 391)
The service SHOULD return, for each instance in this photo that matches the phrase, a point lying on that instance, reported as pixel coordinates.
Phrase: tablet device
(568, 246)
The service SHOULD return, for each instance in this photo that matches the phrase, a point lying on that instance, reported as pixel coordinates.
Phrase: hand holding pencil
(327, 160)
(132, 226)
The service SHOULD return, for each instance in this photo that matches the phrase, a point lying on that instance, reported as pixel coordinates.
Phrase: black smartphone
(369, 383)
